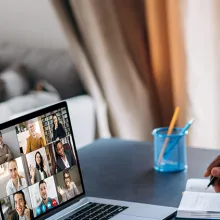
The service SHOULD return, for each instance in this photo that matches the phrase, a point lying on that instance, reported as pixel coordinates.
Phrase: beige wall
(30, 22)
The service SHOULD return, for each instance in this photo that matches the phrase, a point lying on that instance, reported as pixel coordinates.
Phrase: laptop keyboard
(96, 211)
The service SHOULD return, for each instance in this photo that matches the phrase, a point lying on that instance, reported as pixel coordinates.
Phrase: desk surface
(123, 170)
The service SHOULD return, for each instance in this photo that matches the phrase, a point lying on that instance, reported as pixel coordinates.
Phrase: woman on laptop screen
(58, 130)
(39, 172)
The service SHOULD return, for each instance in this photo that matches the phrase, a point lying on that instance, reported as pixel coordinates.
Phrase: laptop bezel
(38, 113)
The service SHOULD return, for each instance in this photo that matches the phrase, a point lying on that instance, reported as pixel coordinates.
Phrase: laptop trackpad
(129, 217)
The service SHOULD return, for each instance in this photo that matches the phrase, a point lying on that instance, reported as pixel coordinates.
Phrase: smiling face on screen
(32, 128)
(13, 170)
(19, 204)
(67, 179)
(38, 159)
(60, 149)
(55, 120)
(43, 191)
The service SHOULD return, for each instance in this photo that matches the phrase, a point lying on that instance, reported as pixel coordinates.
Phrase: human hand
(32, 170)
(60, 190)
(214, 170)
(27, 214)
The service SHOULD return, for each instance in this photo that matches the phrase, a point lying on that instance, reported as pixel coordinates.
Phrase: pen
(186, 128)
(214, 178)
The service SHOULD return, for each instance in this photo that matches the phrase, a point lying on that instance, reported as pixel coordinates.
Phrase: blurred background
(122, 66)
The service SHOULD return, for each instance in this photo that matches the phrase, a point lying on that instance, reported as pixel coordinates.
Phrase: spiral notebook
(198, 203)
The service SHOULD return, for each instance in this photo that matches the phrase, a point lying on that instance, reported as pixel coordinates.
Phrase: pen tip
(192, 120)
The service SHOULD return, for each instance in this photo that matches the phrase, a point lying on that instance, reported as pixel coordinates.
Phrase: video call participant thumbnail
(22, 211)
(70, 189)
(5, 152)
(64, 158)
(58, 130)
(16, 181)
(40, 172)
(35, 140)
(47, 202)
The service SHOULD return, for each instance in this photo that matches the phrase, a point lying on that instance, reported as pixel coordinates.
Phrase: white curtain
(201, 28)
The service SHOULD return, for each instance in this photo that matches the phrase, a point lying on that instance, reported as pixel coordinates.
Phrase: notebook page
(198, 185)
(194, 201)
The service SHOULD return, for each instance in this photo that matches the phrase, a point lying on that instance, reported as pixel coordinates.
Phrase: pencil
(169, 132)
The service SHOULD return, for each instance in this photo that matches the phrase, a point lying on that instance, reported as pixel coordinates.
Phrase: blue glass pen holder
(174, 157)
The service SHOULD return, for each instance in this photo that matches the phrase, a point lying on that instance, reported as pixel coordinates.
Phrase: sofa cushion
(11, 54)
(83, 120)
(53, 65)
(57, 68)
(17, 105)
(14, 83)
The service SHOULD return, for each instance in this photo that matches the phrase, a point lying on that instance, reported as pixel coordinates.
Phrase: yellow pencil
(170, 130)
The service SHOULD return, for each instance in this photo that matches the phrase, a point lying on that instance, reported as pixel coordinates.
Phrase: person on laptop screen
(40, 172)
(47, 202)
(65, 159)
(69, 190)
(16, 182)
(35, 140)
(22, 211)
(5, 152)
(58, 130)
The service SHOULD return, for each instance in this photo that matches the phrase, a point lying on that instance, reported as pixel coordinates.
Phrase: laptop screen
(39, 168)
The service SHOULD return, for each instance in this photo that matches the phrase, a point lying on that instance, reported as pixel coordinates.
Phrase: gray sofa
(56, 67)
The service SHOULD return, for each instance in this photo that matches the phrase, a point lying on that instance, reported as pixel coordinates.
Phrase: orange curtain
(163, 23)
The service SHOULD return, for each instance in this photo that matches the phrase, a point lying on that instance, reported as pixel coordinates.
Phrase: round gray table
(123, 170)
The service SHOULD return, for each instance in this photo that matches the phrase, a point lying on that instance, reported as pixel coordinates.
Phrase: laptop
(40, 176)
